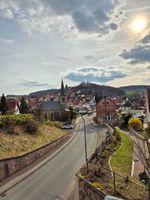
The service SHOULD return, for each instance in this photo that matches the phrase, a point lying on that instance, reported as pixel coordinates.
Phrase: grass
(121, 161)
(98, 185)
(101, 177)
(15, 145)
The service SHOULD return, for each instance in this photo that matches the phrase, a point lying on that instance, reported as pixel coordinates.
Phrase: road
(54, 180)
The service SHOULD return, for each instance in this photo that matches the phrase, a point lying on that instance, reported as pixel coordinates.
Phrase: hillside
(21, 142)
(91, 88)
(134, 88)
(43, 92)
(85, 88)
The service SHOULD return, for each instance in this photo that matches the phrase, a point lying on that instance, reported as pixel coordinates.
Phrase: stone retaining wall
(11, 165)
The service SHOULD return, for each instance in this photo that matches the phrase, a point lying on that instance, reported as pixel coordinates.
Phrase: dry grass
(14, 145)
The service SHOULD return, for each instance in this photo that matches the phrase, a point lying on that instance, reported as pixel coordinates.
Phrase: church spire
(62, 90)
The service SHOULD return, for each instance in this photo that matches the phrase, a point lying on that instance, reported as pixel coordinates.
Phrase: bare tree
(141, 149)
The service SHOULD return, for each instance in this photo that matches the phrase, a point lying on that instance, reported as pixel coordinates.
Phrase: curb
(18, 179)
(68, 193)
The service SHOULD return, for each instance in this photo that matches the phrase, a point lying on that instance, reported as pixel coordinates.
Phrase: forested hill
(91, 88)
(134, 88)
(85, 88)
(43, 92)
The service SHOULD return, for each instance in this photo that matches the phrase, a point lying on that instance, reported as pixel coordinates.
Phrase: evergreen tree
(24, 108)
(3, 105)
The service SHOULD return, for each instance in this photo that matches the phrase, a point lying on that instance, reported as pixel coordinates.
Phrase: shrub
(31, 126)
(135, 123)
(56, 124)
(7, 120)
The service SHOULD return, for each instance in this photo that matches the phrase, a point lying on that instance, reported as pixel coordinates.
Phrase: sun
(139, 24)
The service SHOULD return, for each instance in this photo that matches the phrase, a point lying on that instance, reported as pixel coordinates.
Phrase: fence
(100, 147)
(111, 182)
(121, 186)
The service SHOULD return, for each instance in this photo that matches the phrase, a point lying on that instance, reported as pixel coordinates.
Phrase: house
(105, 110)
(13, 106)
(147, 96)
(128, 104)
(54, 109)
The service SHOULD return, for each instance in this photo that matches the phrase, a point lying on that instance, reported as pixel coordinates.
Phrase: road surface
(54, 180)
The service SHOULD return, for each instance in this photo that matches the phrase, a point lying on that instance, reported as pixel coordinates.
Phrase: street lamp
(85, 139)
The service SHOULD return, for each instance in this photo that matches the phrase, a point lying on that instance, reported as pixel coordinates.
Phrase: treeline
(23, 106)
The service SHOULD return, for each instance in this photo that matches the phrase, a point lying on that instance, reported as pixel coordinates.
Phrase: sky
(100, 41)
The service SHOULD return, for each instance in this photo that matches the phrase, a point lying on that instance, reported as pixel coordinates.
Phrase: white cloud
(94, 74)
(6, 41)
(75, 17)
(58, 40)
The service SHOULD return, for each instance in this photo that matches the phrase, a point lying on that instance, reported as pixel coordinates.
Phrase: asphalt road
(54, 180)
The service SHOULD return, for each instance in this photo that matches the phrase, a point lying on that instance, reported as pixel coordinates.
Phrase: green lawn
(121, 161)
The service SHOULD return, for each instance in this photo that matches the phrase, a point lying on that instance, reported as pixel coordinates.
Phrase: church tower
(62, 93)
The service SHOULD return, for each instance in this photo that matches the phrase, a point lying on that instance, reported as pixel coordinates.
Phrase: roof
(51, 106)
(62, 90)
(105, 98)
(12, 103)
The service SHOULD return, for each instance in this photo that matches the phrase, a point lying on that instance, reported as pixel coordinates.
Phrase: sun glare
(138, 24)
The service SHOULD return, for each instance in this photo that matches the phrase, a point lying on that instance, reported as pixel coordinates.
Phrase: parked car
(68, 126)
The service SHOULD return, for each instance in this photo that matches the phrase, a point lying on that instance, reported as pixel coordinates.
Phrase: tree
(124, 120)
(135, 123)
(141, 152)
(24, 108)
(3, 104)
(71, 113)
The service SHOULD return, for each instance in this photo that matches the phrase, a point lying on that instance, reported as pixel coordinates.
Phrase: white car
(68, 126)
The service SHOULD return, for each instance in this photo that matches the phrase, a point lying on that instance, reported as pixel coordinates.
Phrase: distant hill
(91, 88)
(134, 88)
(85, 88)
(43, 92)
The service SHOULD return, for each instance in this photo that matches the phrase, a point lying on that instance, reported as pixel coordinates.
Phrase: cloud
(33, 84)
(5, 11)
(6, 41)
(139, 54)
(146, 39)
(87, 16)
(94, 74)
(113, 26)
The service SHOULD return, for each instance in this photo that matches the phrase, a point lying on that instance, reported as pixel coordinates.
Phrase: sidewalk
(75, 193)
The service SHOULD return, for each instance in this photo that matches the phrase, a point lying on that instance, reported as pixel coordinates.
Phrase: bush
(56, 124)
(135, 123)
(7, 120)
(31, 126)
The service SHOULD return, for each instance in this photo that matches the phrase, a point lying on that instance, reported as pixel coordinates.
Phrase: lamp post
(85, 145)
(85, 139)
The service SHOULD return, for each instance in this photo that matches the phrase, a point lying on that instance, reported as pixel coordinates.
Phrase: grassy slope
(14, 145)
(121, 161)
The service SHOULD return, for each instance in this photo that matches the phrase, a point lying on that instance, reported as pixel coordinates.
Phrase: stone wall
(87, 191)
(11, 165)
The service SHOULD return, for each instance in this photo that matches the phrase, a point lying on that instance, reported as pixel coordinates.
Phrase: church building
(55, 109)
